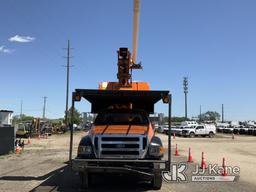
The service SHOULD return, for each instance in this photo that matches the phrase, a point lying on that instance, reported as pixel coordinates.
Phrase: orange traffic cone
(233, 136)
(176, 150)
(29, 141)
(190, 159)
(203, 162)
(224, 167)
(18, 149)
(174, 135)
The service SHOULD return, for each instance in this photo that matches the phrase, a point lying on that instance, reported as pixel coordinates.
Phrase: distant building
(6, 117)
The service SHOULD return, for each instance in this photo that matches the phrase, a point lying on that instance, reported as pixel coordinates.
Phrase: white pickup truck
(202, 130)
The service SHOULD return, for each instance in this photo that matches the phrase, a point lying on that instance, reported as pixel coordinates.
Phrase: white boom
(135, 29)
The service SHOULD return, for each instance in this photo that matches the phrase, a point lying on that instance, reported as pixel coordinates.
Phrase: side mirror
(166, 99)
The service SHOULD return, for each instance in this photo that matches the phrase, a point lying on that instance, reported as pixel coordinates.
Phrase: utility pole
(44, 108)
(222, 113)
(67, 83)
(21, 106)
(185, 86)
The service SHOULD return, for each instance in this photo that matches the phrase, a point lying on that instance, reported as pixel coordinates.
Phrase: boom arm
(135, 29)
(126, 60)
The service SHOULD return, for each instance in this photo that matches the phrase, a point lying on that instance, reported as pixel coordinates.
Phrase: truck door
(200, 130)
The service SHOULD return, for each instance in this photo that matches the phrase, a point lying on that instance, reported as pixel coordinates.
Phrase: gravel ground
(43, 166)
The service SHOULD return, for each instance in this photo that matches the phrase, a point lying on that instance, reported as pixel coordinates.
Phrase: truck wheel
(157, 181)
(211, 135)
(191, 134)
(84, 178)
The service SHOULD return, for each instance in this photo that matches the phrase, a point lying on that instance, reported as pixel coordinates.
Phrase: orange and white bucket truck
(122, 138)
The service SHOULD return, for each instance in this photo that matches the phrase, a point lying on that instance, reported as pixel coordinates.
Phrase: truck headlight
(156, 150)
(84, 150)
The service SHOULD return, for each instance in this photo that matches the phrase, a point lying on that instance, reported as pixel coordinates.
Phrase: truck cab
(200, 130)
(121, 134)
(122, 138)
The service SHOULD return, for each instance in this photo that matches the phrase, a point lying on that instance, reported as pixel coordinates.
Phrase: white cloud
(22, 39)
(3, 49)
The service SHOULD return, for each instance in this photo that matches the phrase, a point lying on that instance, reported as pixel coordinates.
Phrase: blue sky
(211, 42)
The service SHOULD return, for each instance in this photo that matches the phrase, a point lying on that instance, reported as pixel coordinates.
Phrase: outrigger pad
(102, 99)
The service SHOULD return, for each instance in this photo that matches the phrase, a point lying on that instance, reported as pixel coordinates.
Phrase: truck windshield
(121, 118)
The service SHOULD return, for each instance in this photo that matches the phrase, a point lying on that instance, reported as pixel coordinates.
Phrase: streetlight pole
(185, 86)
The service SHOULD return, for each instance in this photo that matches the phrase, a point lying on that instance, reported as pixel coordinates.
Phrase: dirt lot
(42, 166)
(239, 152)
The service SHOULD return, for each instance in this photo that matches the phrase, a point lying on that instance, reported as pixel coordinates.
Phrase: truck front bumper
(139, 167)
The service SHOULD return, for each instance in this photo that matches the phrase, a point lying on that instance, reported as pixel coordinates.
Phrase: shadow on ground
(64, 179)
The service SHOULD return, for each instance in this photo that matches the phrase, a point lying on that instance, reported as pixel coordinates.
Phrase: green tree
(210, 116)
(175, 119)
(22, 118)
(77, 116)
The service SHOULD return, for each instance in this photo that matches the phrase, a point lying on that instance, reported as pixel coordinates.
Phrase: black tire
(211, 134)
(192, 134)
(157, 181)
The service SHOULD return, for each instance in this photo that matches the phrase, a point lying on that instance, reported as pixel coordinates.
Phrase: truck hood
(122, 129)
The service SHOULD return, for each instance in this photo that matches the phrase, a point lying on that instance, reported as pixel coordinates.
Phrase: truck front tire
(191, 134)
(157, 181)
(84, 178)
(211, 134)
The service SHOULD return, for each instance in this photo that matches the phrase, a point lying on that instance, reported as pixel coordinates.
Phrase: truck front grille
(126, 146)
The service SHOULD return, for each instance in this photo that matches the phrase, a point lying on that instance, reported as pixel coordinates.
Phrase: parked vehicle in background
(22, 130)
(228, 130)
(178, 130)
(188, 124)
(235, 124)
(243, 130)
(200, 130)
(159, 129)
(166, 129)
(221, 126)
